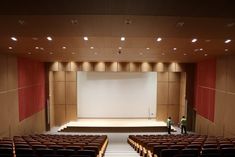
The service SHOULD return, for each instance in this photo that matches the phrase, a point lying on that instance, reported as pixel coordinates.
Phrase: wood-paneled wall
(168, 96)
(65, 97)
(9, 108)
(224, 101)
(117, 66)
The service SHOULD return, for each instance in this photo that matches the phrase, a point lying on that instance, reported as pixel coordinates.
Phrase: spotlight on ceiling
(85, 38)
(227, 41)
(123, 38)
(49, 38)
(14, 38)
(159, 39)
(194, 40)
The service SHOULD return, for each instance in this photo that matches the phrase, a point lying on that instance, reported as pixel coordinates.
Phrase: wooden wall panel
(145, 67)
(123, 67)
(59, 92)
(111, 67)
(71, 93)
(3, 72)
(12, 74)
(71, 112)
(173, 111)
(59, 76)
(162, 77)
(174, 76)
(134, 67)
(182, 107)
(99, 67)
(60, 118)
(71, 76)
(9, 106)
(231, 74)
(162, 112)
(87, 66)
(162, 94)
(174, 94)
(158, 67)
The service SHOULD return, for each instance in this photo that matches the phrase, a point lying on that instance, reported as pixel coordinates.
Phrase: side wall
(9, 106)
(223, 124)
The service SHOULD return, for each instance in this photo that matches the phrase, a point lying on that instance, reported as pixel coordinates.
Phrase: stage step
(121, 149)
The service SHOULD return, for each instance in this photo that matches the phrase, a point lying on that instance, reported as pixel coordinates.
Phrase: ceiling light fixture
(185, 54)
(174, 48)
(49, 38)
(85, 38)
(29, 53)
(205, 54)
(201, 49)
(91, 47)
(73, 53)
(227, 41)
(147, 48)
(163, 54)
(36, 47)
(159, 39)
(226, 50)
(120, 48)
(123, 38)
(10, 48)
(51, 53)
(63, 47)
(95, 53)
(141, 53)
(194, 40)
(14, 38)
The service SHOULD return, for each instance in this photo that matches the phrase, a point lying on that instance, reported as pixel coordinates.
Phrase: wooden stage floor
(114, 125)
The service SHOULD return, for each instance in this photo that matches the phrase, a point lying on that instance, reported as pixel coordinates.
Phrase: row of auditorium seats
(182, 146)
(43, 145)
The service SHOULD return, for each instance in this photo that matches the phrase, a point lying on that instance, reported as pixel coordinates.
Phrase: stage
(114, 125)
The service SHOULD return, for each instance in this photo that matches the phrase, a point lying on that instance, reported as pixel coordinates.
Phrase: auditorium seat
(228, 151)
(169, 152)
(89, 153)
(6, 151)
(157, 149)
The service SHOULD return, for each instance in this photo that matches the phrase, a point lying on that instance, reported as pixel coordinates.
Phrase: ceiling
(104, 23)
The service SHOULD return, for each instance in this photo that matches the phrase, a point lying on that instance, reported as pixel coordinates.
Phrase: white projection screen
(116, 95)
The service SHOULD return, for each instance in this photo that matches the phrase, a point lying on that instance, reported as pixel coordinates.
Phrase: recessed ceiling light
(227, 41)
(147, 48)
(174, 48)
(185, 54)
(14, 38)
(35, 38)
(63, 47)
(73, 53)
(51, 53)
(123, 38)
(195, 50)
(141, 53)
(95, 53)
(163, 54)
(41, 48)
(91, 47)
(194, 40)
(29, 53)
(36, 47)
(205, 54)
(49, 38)
(74, 21)
(159, 39)
(226, 50)
(120, 48)
(10, 48)
(85, 38)
(201, 49)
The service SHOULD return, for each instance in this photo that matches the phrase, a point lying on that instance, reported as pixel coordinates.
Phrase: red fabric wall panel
(31, 83)
(205, 88)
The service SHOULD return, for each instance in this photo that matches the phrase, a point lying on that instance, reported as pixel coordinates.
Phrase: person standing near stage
(169, 123)
(183, 124)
